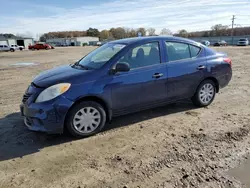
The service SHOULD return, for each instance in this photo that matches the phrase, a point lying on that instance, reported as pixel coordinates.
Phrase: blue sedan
(122, 77)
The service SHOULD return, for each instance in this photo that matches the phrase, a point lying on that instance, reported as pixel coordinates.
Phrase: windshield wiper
(77, 64)
(82, 66)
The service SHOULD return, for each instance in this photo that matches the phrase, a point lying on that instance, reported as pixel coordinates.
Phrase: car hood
(62, 74)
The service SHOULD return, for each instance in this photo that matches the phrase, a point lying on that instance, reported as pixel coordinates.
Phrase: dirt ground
(171, 146)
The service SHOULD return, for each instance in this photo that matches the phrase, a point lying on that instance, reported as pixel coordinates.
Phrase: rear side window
(178, 51)
(1, 46)
(194, 50)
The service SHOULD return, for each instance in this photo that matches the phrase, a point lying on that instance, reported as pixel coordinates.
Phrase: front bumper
(47, 116)
(242, 44)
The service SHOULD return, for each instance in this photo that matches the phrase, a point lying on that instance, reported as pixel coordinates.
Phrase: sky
(35, 17)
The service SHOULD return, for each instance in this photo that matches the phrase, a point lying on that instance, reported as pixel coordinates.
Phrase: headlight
(52, 92)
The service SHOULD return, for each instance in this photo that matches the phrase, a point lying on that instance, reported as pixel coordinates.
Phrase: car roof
(151, 38)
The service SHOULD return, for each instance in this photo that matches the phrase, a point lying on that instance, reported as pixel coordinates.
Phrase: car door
(39, 46)
(186, 69)
(5, 48)
(144, 85)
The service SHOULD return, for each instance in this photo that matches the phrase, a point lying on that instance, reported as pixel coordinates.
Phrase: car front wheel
(85, 119)
(205, 94)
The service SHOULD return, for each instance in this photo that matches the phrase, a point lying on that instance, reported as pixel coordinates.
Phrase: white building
(16, 41)
(74, 41)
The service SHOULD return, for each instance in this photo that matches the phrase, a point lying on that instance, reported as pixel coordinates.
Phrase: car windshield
(97, 58)
(242, 39)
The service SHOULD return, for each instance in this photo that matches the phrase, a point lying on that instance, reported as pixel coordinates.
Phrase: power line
(242, 24)
(243, 15)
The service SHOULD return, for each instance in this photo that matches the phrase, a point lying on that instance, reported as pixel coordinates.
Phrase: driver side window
(144, 55)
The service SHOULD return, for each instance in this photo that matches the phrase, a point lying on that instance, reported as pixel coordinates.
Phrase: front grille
(26, 96)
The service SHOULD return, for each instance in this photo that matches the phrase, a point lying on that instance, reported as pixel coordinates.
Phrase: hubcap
(87, 119)
(206, 93)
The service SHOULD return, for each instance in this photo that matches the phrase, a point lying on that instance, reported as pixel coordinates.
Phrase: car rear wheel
(12, 50)
(85, 119)
(205, 93)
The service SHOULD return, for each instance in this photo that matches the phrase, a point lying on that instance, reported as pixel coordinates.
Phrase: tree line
(122, 32)
(111, 34)
(216, 31)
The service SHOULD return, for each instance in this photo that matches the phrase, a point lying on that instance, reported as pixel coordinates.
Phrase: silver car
(243, 42)
(205, 42)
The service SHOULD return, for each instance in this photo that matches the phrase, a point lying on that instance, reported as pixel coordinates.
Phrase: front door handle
(157, 75)
(201, 67)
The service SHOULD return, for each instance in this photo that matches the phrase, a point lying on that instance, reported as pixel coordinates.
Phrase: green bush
(84, 44)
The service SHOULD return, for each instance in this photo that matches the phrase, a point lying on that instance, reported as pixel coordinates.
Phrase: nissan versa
(121, 77)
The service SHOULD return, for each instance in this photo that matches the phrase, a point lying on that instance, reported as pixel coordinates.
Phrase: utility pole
(232, 31)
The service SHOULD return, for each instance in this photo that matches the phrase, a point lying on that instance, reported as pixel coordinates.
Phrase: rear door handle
(201, 67)
(157, 75)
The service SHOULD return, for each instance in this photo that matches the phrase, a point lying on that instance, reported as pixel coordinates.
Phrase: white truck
(5, 48)
(16, 47)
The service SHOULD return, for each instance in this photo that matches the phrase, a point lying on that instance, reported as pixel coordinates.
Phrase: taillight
(227, 60)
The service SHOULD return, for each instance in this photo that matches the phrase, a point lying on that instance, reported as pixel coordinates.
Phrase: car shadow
(149, 114)
(17, 141)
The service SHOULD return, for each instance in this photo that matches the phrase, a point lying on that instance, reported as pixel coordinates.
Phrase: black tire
(21, 49)
(71, 114)
(12, 50)
(196, 98)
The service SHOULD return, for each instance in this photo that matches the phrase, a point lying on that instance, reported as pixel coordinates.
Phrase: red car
(40, 46)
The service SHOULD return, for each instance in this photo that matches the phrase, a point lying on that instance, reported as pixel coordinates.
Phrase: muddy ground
(171, 146)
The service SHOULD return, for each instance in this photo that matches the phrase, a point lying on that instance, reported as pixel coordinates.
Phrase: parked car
(122, 77)
(40, 47)
(58, 44)
(243, 42)
(220, 43)
(62, 44)
(16, 47)
(99, 43)
(205, 42)
(5, 48)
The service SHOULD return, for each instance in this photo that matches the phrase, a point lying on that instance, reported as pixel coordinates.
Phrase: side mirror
(122, 67)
